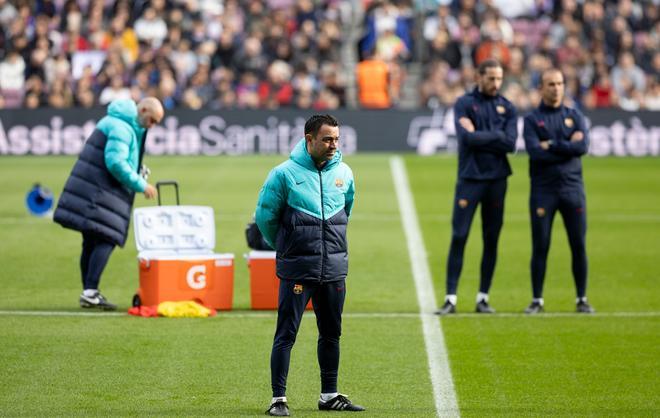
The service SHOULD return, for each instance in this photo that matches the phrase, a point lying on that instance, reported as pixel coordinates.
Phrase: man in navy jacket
(486, 128)
(555, 138)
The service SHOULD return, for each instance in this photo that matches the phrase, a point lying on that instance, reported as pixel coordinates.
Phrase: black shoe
(484, 307)
(447, 308)
(97, 301)
(278, 409)
(534, 308)
(339, 403)
(584, 307)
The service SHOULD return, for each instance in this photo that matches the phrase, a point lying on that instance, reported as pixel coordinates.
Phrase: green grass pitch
(503, 365)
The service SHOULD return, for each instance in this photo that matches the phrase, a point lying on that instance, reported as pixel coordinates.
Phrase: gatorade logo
(196, 277)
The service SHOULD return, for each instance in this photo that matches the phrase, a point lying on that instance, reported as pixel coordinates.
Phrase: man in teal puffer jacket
(98, 195)
(303, 212)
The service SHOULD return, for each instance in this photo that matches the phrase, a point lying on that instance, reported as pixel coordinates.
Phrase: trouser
(470, 193)
(328, 302)
(95, 255)
(572, 206)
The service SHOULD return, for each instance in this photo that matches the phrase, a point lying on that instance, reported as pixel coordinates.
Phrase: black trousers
(571, 204)
(328, 300)
(95, 255)
(470, 193)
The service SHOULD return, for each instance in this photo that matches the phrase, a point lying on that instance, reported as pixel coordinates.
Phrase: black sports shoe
(339, 403)
(584, 307)
(534, 308)
(484, 307)
(447, 308)
(97, 301)
(278, 409)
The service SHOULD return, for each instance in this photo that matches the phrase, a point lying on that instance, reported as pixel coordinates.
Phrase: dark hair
(551, 70)
(314, 123)
(489, 63)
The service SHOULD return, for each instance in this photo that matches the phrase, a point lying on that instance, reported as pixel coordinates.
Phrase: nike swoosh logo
(95, 300)
(300, 182)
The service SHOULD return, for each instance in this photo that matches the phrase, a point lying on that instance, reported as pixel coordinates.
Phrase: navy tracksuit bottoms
(542, 208)
(94, 257)
(328, 301)
(470, 193)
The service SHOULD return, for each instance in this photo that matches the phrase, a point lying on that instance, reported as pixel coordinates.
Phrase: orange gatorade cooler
(264, 284)
(176, 259)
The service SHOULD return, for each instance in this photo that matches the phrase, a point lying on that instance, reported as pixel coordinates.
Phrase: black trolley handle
(168, 183)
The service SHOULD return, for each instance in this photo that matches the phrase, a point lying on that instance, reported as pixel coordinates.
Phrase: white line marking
(557, 315)
(387, 217)
(59, 313)
(434, 340)
(359, 315)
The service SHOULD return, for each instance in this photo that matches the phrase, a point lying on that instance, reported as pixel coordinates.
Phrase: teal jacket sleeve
(272, 200)
(350, 196)
(117, 155)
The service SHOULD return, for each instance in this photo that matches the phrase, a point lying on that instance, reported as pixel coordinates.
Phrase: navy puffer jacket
(303, 213)
(96, 198)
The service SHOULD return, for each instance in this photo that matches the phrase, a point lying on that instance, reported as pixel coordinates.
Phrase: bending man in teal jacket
(303, 212)
(98, 195)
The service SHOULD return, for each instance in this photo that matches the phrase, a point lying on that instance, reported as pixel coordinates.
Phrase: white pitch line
(384, 217)
(367, 315)
(59, 313)
(434, 340)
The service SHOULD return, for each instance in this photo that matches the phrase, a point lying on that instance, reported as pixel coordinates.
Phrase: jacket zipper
(323, 251)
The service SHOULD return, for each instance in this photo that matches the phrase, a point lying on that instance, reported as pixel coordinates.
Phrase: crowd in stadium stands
(608, 50)
(271, 54)
(189, 53)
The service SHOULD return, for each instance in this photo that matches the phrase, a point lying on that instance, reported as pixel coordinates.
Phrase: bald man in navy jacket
(556, 138)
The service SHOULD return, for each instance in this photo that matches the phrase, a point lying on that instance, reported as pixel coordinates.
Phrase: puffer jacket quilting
(303, 213)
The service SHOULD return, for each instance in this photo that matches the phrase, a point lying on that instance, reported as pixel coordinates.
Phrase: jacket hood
(301, 156)
(125, 110)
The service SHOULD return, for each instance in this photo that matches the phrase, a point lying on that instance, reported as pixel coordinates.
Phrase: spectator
(224, 53)
(125, 37)
(34, 87)
(60, 95)
(114, 91)
(627, 77)
(277, 85)
(333, 80)
(327, 100)
(57, 68)
(250, 58)
(167, 91)
(151, 28)
(492, 47)
(8, 13)
(374, 83)
(630, 99)
(200, 82)
(652, 95)
(517, 73)
(247, 95)
(85, 99)
(601, 94)
(443, 48)
(441, 21)
(12, 79)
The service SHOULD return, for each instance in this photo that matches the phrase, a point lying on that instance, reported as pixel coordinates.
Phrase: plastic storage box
(176, 259)
(264, 284)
